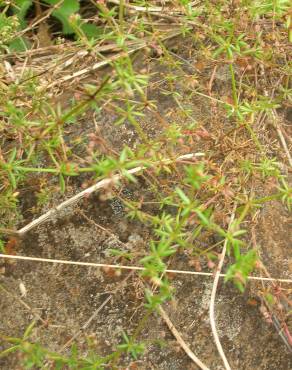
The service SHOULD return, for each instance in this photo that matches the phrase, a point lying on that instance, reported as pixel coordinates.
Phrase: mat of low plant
(66, 62)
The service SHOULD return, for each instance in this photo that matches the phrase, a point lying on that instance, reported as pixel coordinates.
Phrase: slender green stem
(233, 84)
(266, 199)
(253, 136)
(33, 169)
(243, 213)
(121, 14)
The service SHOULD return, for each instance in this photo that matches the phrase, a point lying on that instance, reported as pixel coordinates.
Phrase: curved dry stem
(180, 340)
(213, 297)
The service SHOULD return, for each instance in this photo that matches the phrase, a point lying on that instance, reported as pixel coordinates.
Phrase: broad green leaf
(91, 30)
(20, 9)
(19, 45)
(64, 11)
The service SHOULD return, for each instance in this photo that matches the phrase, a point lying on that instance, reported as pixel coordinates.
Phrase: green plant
(190, 197)
(240, 271)
(135, 349)
(274, 8)
(7, 27)
(66, 12)
(266, 167)
(34, 355)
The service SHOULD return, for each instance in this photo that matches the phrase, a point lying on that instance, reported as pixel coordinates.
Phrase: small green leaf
(129, 176)
(2, 246)
(28, 330)
(62, 183)
(12, 155)
(8, 351)
(240, 271)
(12, 179)
(205, 221)
(270, 298)
(183, 196)
(11, 339)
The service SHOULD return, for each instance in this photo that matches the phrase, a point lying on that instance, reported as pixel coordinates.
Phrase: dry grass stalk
(213, 297)
(136, 268)
(281, 137)
(180, 340)
(107, 61)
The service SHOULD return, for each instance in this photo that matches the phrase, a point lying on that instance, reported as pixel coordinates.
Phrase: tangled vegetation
(64, 63)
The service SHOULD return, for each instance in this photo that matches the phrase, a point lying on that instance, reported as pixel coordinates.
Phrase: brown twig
(180, 340)
(281, 137)
(213, 297)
